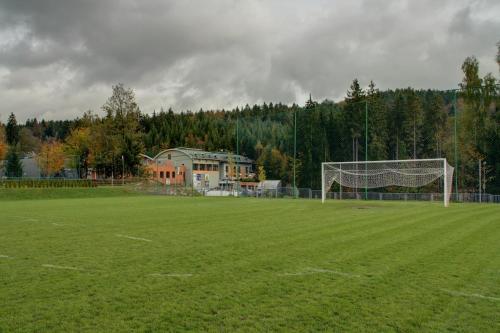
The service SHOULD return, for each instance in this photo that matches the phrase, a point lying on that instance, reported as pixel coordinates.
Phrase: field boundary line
(134, 238)
(172, 274)
(310, 271)
(62, 267)
(459, 293)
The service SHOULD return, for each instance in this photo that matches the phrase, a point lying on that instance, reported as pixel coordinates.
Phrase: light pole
(294, 149)
(123, 170)
(480, 162)
(366, 145)
(366, 148)
(455, 139)
(237, 152)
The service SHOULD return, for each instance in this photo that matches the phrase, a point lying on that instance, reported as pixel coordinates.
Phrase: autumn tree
(261, 173)
(51, 158)
(27, 141)
(3, 143)
(123, 128)
(78, 144)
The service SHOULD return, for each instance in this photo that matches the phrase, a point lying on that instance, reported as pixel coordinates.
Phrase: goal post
(376, 174)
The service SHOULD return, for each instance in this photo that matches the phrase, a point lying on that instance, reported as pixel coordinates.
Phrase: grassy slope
(255, 264)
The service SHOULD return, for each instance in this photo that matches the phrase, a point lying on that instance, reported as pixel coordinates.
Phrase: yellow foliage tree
(78, 144)
(51, 158)
(261, 173)
(232, 166)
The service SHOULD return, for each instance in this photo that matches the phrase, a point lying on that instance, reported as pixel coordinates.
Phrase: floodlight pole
(480, 181)
(366, 149)
(455, 139)
(445, 183)
(237, 151)
(294, 149)
(340, 182)
(123, 170)
(323, 189)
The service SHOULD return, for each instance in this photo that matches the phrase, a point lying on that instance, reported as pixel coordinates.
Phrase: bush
(46, 183)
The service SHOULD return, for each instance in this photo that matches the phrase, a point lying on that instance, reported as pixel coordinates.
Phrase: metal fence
(151, 187)
(307, 193)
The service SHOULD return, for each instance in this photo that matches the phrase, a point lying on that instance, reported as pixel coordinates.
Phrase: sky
(59, 58)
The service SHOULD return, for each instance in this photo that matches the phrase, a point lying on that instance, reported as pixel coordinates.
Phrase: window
(196, 166)
(247, 171)
(161, 174)
(216, 167)
(209, 167)
(202, 167)
(169, 156)
(173, 174)
(227, 169)
(168, 174)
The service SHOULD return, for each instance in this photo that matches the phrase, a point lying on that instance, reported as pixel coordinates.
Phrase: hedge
(46, 183)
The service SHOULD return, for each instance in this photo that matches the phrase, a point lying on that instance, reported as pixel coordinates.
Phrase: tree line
(284, 140)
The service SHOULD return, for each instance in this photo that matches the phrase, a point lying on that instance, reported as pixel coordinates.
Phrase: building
(200, 169)
(29, 165)
(32, 170)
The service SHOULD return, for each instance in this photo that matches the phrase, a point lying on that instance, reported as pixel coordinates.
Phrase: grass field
(118, 263)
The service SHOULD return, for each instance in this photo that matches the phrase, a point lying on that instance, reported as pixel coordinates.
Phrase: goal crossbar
(376, 174)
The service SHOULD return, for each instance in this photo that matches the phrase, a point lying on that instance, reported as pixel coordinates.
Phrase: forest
(284, 140)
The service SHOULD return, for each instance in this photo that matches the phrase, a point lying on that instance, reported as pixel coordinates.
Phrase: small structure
(29, 165)
(269, 185)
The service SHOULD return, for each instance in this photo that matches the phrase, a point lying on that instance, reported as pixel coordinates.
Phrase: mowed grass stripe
(233, 251)
(468, 270)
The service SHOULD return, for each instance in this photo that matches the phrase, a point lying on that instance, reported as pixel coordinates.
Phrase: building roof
(207, 155)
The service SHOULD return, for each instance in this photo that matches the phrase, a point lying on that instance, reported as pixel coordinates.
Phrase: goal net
(376, 174)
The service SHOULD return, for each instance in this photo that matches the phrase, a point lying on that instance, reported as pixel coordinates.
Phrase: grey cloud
(198, 54)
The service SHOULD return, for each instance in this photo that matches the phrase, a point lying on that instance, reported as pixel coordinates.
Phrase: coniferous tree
(13, 167)
(12, 130)
(377, 125)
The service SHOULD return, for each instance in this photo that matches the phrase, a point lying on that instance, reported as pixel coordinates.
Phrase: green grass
(225, 264)
(8, 194)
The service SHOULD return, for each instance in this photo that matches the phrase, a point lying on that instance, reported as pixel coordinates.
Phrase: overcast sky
(59, 58)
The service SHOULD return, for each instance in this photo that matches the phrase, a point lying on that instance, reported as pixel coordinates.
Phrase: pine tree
(354, 116)
(13, 167)
(377, 125)
(12, 130)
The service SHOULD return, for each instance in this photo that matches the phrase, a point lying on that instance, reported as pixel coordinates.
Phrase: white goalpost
(375, 174)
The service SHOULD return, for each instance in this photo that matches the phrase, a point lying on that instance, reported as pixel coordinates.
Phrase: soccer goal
(376, 174)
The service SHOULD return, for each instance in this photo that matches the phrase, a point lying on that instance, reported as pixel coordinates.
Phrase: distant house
(29, 164)
(32, 170)
(197, 168)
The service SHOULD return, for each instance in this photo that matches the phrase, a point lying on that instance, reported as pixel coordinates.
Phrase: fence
(150, 187)
(307, 193)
